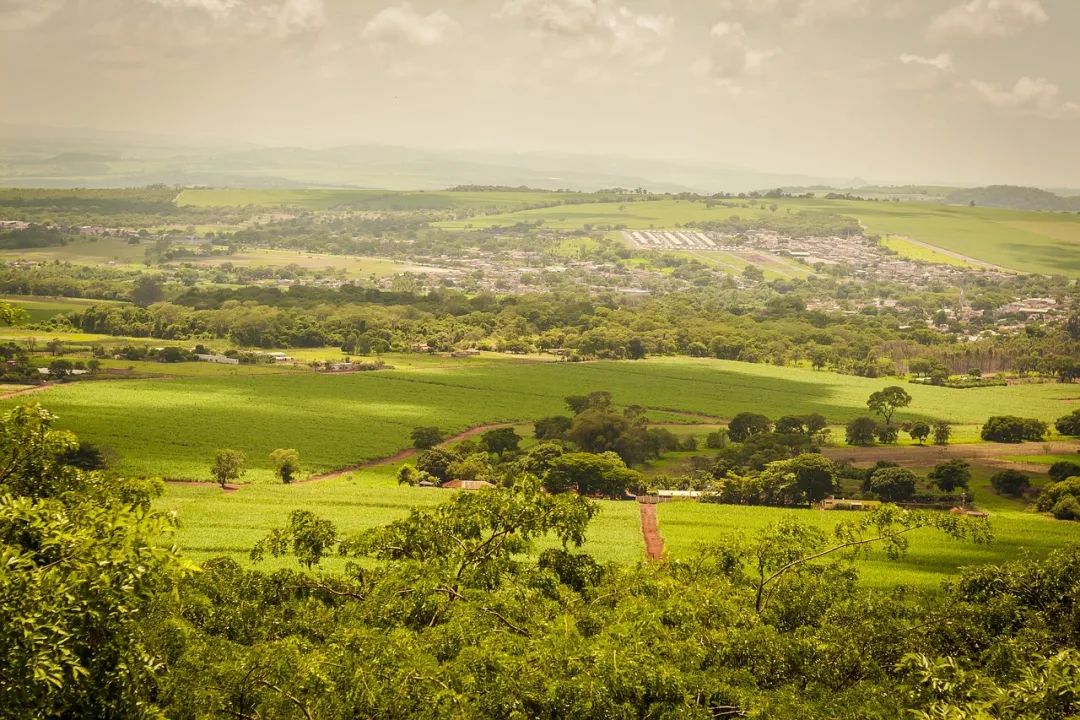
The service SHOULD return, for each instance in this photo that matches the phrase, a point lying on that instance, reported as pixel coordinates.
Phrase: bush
(1067, 508)
(1010, 482)
(893, 484)
(1012, 429)
(942, 432)
(888, 434)
(1069, 424)
(861, 431)
(1052, 494)
(1063, 470)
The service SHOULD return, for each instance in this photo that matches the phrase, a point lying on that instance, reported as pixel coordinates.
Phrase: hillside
(1013, 197)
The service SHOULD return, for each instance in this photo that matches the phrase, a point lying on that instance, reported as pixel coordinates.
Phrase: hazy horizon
(951, 91)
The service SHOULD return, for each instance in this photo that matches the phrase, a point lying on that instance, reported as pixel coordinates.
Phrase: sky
(974, 91)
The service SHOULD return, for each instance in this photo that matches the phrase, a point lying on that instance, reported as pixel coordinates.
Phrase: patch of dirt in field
(924, 455)
(650, 528)
(24, 391)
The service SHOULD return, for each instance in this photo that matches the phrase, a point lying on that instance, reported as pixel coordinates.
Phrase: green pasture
(213, 522)
(85, 251)
(688, 526)
(1039, 242)
(914, 251)
(40, 309)
(172, 426)
(351, 266)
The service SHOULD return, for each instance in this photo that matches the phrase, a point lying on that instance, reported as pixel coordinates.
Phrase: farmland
(1023, 241)
(171, 427)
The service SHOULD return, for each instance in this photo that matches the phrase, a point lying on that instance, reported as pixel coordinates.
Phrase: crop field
(172, 426)
(40, 309)
(84, 251)
(687, 526)
(918, 251)
(352, 266)
(1026, 241)
(218, 523)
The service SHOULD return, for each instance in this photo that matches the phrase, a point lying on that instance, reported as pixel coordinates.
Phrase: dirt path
(24, 391)
(924, 455)
(401, 454)
(650, 528)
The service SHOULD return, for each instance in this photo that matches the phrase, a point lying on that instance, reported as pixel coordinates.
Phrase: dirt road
(650, 528)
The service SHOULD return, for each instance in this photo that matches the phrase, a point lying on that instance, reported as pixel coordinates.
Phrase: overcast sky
(895, 90)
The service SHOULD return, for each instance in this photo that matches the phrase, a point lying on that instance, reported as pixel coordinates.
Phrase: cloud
(1029, 96)
(281, 18)
(730, 55)
(988, 19)
(800, 12)
(25, 14)
(601, 26)
(403, 25)
(942, 61)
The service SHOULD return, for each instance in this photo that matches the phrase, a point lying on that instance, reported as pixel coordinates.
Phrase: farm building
(467, 485)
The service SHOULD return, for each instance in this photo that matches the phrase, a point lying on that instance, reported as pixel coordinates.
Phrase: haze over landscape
(923, 91)
(515, 359)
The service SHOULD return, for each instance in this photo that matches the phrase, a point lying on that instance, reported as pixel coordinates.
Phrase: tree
(55, 347)
(919, 431)
(1063, 470)
(436, 462)
(942, 432)
(949, 476)
(591, 474)
(1012, 429)
(1067, 508)
(500, 440)
(1010, 482)
(1052, 494)
(893, 484)
(228, 465)
(600, 400)
(554, 427)
(424, 438)
(790, 424)
(861, 431)
(635, 349)
(147, 291)
(306, 535)
(60, 369)
(746, 424)
(886, 402)
(1069, 424)
(286, 463)
(887, 434)
(93, 366)
(811, 475)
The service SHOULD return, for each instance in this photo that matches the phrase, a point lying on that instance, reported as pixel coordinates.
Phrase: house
(467, 485)
(220, 359)
(831, 503)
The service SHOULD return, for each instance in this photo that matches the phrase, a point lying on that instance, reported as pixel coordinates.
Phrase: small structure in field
(467, 485)
(831, 503)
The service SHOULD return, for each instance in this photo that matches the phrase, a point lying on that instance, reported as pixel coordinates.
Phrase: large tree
(886, 402)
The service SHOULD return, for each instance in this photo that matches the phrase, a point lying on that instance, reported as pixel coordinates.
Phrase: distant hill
(1013, 197)
(51, 157)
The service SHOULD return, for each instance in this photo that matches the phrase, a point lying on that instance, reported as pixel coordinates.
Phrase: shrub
(888, 434)
(746, 424)
(1010, 482)
(893, 484)
(1067, 508)
(1054, 493)
(1064, 469)
(1012, 429)
(1069, 424)
(942, 432)
(861, 431)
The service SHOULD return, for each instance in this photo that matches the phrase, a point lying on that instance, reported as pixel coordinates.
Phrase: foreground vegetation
(447, 613)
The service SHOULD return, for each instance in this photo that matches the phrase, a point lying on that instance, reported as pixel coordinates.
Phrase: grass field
(1039, 242)
(352, 266)
(686, 526)
(40, 309)
(171, 427)
(85, 251)
(916, 251)
(218, 523)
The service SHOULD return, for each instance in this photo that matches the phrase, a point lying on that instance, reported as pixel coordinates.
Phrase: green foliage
(1051, 494)
(919, 431)
(1069, 424)
(553, 427)
(893, 484)
(602, 474)
(228, 465)
(950, 475)
(886, 402)
(500, 441)
(424, 438)
(306, 536)
(942, 432)
(1012, 429)
(861, 431)
(746, 424)
(1010, 482)
(1064, 469)
(1067, 508)
(286, 462)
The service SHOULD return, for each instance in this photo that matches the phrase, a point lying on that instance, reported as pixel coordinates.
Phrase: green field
(1039, 242)
(217, 523)
(171, 427)
(687, 526)
(40, 309)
